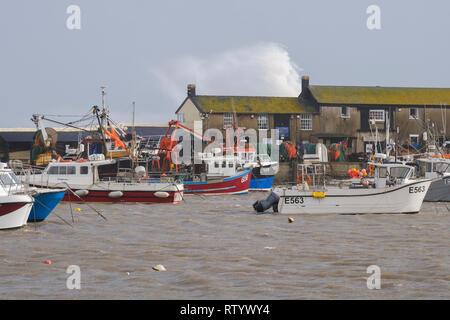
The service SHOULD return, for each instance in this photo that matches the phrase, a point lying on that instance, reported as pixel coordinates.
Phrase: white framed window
(180, 117)
(345, 112)
(227, 120)
(306, 122)
(414, 138)
(263, 122)
(414, 113)
(377, 115)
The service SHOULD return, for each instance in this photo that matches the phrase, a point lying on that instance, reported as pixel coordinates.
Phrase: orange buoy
(299, 177)
(48, 261)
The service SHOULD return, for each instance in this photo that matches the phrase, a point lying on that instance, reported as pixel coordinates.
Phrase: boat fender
(115, 194)
(82, 192)
(271, 201)
(317, 194)
(161, 194)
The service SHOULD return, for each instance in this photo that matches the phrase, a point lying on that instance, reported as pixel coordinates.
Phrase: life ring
(81, 160)
(300, 176)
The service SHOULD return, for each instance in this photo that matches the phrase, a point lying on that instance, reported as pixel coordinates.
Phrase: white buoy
(115, 194)
(140, 171)
(161, 194)
(159, 267)
(82, 192)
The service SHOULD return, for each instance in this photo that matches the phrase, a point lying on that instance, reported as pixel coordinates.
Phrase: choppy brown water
(218, 248)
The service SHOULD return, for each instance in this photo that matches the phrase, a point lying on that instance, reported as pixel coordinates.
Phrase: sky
(148, 51)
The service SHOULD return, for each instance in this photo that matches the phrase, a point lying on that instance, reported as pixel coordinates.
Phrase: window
(6, 180)
(180, 117)
(84, 170)
(227, 119)
(62, 170)
(399, 172)
(53, 170)
(263, 122)
(14, 178)
(377, 115)
(414, 113)
(382, 172)
(414, 139)
(306, 122)
(345, 112)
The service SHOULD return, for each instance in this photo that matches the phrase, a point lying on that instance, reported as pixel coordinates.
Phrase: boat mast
(101, 121)
(133, 141)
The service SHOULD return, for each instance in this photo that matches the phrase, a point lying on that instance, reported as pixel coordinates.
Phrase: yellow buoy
(78, 209)
(317, 194)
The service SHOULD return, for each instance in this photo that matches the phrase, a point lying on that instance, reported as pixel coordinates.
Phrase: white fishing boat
(15, 203)
(91, 180)
(391, 190)
(437, 169)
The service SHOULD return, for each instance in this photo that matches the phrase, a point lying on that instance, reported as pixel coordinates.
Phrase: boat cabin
(8, 180)
(391, 174)
(75, 172)
(433, 168)
(220, 166)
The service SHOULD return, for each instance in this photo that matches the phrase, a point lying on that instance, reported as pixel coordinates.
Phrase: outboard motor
(263, 205)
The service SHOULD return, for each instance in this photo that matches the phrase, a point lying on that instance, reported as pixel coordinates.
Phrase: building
(345, 112)
(287, 114)
(330, 114)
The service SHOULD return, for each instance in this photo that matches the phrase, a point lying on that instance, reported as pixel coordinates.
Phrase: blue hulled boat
(45, 200)
(261, 183)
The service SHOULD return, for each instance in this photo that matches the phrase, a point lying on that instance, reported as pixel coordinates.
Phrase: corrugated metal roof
(248, 104)
(26, 134)
(402, 96)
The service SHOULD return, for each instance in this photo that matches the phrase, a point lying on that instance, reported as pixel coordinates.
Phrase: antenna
(103, 96)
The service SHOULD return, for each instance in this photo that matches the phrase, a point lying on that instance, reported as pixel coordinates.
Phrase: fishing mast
(133, 140)
(101, 119)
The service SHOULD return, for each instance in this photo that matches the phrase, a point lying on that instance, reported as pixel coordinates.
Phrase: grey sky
(46, 68)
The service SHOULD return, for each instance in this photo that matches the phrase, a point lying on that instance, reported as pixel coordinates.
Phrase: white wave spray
(263, 69)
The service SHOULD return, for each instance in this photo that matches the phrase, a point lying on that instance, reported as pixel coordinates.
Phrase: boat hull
(238, 184)
(439, 190)
(14, 211)
(262, 183)
(122, 192)
(44, 202)
(128, 196)
(406, 198)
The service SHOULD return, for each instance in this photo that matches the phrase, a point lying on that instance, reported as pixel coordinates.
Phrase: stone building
(331, 114)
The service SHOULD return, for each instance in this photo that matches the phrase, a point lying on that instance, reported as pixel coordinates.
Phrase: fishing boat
(45, 201)
(218, 183)
(15, 203)
(393, 189)
(263, 172)
(88, 180)
(223, 170)
(437, 169)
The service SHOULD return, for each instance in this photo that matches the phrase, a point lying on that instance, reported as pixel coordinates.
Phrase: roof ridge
(226, 96)
(374, 87)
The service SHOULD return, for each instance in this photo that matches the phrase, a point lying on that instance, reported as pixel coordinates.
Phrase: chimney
(305, 82)
(191, 90)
